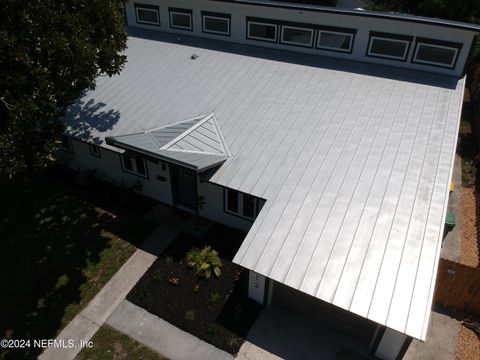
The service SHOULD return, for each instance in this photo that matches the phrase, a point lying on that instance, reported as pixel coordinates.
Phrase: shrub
(214, 297)
(190, 315)
(204, 262)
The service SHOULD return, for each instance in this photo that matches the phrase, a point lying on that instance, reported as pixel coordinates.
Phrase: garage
(360, 330)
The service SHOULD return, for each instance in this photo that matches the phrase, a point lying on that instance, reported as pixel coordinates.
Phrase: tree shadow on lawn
(52, 243)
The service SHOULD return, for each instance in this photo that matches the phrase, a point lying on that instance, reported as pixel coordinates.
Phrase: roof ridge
(186, 132)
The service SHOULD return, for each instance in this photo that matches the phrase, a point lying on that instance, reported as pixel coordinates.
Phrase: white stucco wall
(363, 25)
(108, 167)
(214, 209)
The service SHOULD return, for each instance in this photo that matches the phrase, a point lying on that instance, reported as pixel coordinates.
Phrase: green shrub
(190, 315)
(204, 262)
(214, 297)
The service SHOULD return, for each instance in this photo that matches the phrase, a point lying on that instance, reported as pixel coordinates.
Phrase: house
(327, 134)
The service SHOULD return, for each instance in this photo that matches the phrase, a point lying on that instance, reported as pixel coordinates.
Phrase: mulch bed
(468, 345)
(469, 248)
(216, 310)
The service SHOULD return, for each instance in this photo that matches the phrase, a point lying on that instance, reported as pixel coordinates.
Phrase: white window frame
(134, 170)
(240, 196)
(312, 33)
(258, 37)
(405, 53)
(415, 60)
(331, 47)
(216, 18)
(189, 14)
(138, 7)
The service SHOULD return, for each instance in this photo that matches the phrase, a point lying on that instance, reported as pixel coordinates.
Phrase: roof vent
(194, 56)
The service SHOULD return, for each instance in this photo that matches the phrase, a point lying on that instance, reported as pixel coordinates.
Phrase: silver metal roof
(195, 143)
(354, 160)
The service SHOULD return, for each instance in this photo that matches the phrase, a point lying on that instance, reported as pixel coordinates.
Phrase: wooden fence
(458, 287)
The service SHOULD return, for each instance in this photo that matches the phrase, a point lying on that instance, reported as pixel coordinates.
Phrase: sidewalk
(89, 320)
(162, 336)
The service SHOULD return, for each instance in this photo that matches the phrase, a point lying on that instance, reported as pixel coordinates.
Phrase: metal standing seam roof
(195, 143)
(354, 160)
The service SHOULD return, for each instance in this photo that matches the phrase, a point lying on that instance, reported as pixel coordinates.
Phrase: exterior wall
(214, 209)
(108, 167)
(363, 25)
(391, 346)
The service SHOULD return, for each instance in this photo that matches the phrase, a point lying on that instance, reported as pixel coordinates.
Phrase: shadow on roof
(356, 67)
(82, 118)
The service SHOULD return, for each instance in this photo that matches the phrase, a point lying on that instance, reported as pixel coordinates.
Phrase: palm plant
(204, 262)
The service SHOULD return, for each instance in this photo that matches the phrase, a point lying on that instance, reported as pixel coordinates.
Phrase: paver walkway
(162, 336)
(88, 321)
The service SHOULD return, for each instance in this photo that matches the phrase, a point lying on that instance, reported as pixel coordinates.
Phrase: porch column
(259, 288)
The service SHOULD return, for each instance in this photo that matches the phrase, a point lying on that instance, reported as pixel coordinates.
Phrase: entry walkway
(88, 321)
(162, 336)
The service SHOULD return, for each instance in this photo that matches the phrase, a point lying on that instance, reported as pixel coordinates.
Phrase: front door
(184, 183)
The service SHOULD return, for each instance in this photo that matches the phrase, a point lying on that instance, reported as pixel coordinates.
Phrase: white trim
(331, 47)
(179, 26)
(157, 12)
(216, 18)
(312, 33)
(372, 38)
(240, 212)
(134, 170)
(433, 62)
(249, 36)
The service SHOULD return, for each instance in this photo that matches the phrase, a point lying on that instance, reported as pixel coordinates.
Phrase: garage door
(356, 327)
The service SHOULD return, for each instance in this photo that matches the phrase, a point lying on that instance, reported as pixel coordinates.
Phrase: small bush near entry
(204, 262)
(190, 315)
(214, 298)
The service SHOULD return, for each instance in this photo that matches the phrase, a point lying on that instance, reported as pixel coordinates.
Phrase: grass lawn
(58, 249)
(111, 344)
(216, 310)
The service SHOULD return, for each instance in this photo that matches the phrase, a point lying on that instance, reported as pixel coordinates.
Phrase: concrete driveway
(278, 333)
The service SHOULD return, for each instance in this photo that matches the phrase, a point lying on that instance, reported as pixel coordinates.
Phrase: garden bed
(216, 310)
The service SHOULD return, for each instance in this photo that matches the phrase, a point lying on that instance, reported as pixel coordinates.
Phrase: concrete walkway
(89, 320)
(441, 342)
(161, 336)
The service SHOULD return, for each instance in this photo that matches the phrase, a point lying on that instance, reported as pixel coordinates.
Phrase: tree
(50, 52)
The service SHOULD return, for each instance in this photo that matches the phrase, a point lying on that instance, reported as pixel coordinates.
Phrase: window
(297, 36)
(66, 144)
(215, 23)
(331, 40)
(438, 53)
(180, 19)
(232, 201)
(147, 14)
(393, 47)
(240, 204)
(94, 150)
(261, 31)
(134, 164)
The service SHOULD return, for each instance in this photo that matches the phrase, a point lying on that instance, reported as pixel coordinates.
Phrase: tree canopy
(50, 52)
